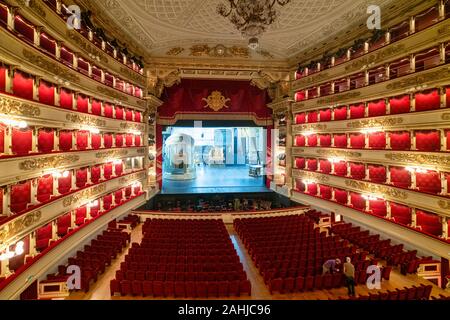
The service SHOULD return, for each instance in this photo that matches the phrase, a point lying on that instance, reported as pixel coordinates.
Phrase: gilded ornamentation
(375, 58)
(131, 126)
(16, 226)
(370, 123)
(84, 195)
(33, 5)
(266, 54)
(443, 204)
(141, 151)
(112, 93)
(42, 62)
(111, 154)
(446, 116)
(87, 46)
(48, 162)
(136, 176)
(377, 189)
(130, 74)
(200, 50)
(334, 99)
(311, 79)
(216, 101)
(311, 176)
(314, 126)
(339, 153)
(413, 158)
(85, 120)
(175, 51)
(421, 79)
(17, 108)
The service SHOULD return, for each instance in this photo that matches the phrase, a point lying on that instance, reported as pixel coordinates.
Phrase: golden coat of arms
(216, 101)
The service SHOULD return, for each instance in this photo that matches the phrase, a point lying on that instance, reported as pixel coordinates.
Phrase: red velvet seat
(66, 99)
(311, 164)
(325, 115)
(357, 111)
(401, 214)
(300, 141)
(96, 107)
(65, 184)
(312, 140)
(147, 288)
(377, 108)
(136, 288)
(357, 141)
(180, 289)
(119, 140)
(80, 215)
(22, 85)
(65, 140)
(233, 288)
(357, 201)
(213, 290)
(340, 168)
(20, 197)
(63, 224)
(325, 192)
(378, 207)
(46, 139)
(428, 140)
(300, 96)
(340, 140)
(401, 104)
(190, 289)
(95, 173)
(114, 286)
(325, 140)
(82, 103)
(128, 115)
(377, 173)
(21, 143)
(201, 289)
(46, 93)
(119, 113)
(107, 140)
(400, 177)
(400, 140)
(44, 188)
(429, 100)
(96, 141)
(340, 196)
(245, 288)
(300, 118)
(357, 171)
(325, 166)
(81, 177)
(107, 170)
(377, 140)
(137, 140)
(158, 288)
(108, 110)
(312, 189)
(429, 222)
(82, 140)
(428, 182)
(312, 117)
(300, 163)
(340, 113)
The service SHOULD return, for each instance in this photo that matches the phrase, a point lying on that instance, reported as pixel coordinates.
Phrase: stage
(217, 179)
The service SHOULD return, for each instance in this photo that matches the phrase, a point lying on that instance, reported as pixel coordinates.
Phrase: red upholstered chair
(309, 283)
(65, 184)
(180, 289)
(299, 284)
(66, 99)
(340, 196)
(357, 201)
(107, 202)
(357, 111)
(114, 286)
(94, 210)
(137, 140)
(119, 113)
(118, 169)
(65, 140)
(357, 140)
(300, 118)
(43, 236)
(357, 171)
(81, 177)
(428, 182)
(108, 110)
(377, 108)
(95, 173)
(325, 166)
(312, 189)
(312, 116)
(128, 192)
(300, 96)
(107, 170)
(400, 177)
(128, 115)
(118, 195)
(428, 100)
(300, 163)
(44, 188)
(223, 288)
(400, 140)
(325, 115)
(20, 197)
(137, 116)
(312, 140)
(129, 140)
(125, 287)
(63, 224)
(80, 215)
(46, 93)
(107, 140)
(340, 113)
(428, 140)
(245, 288)
(378, 207)
(147, 288)
(311, 164)
(377, 140)
(82, 138)
(23, 85)
(300, 141)
(400, 214)
(46, 138)
(340, 140)
(213, 290)
(201, 289)
(96, 107)
(21, 141)
(429, 222)
(340, 168)
(325, 140)
(299, 185)
(377, 173)
(119, 140)
(325, 192)
(82, 103)
(401, 104)
(96, 141)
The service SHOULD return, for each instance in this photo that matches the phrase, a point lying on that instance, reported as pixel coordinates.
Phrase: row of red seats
(180, 276)
(199, 267)
(421, 292)
(132, 219)
(180, 289)
(181, 259)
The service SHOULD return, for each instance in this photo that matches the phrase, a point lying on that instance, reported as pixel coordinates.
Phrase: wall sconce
(13, 123)
(416, 169)
(58, 174)
(335, 160)
(371, 197)
(117, 161)
(93, 204)
(135, 132)
(308, 133)
(10, 254)
(370, 130)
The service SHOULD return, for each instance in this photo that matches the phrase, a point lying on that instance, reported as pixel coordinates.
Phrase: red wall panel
(428, 182)
(66, 99)
(377, 173)
(400, 140)
(45, 188)
(82, 103)
(82, 140)
(377, 108)
(340, 140)
(357, 111)
(23, 85)
(340, 113)
(46, 138)
(65, 140)
(325, 140)
(300, 141)
(96, 107)
(377, 140)
(400, 104)
(46, 93)
(400, 177)
(428, 140)
(428, 100)
(21, 141)
(401, 214)
(20, 197)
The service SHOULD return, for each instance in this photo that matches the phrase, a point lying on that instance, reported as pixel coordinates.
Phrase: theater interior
(224, 150)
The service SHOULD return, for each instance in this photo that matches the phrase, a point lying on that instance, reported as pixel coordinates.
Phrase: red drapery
(45, 188)
(46, 139)
(21, 141)
(46, 93)
(23, 85)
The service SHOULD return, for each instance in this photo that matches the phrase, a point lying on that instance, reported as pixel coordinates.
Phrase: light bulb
(19, 251)
(65, 174)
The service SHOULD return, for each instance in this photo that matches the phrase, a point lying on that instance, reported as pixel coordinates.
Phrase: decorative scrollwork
(437, 160)
(84, 195)
(48, 162)
(112, 93)
(16, 108)
(339, 153)
(16, 226)
(377, 189)
(337, 98)
(111, 154)
(421, 79)
(216, 101)
(370, 123)
(85, 120)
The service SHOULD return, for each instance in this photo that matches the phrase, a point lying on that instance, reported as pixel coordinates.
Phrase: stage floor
(216, 180)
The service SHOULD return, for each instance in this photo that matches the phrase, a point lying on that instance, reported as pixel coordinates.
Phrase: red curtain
(300, 96)
(357, 111)
(64, 224)
(325, 140)
(340, 140)
(377, 140)
(311, 164)
(428, 182)
(325, 115)
(378, 207)
(325, 192)
(96, 107)
(340, 168)
(401, 214)
(108, 110)
(340, 113)
(312, 140)
(80, 215)
(377, 173)
(43, 236)
(82, 103)
(400, 140)
(46, 93)
(129, 115)
(66, 99)
(107, 202)
(107, 140)
(357, 140)
(2, 138)
(96, 141)
(312, 189)
(48, 43)
(107, 171)
(23, 85)
(312, 116)
(81, 177)
(46, 138)
(300, 118)
(20, 196)
(119, 140)
(45, 188)
(65, 184)
(96, 173)
(65, 140)
(428, 140)
(428, 100)
(137, 140)
(137, 116)
(400, 104)
(299, 186)
(357, 171)
(21, 141)
(82, 140)
(300, 163)
(325, 166)
(377, 108)
(129, 140)
(340, 196)
(429, 222)
(2, 78)
(300, 141)
(400, 177)
(118, 169)
(357, 201)
(119, 113)
(118, 196)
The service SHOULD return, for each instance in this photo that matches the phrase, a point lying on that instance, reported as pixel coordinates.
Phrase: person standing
(349, 272)
(331, 266)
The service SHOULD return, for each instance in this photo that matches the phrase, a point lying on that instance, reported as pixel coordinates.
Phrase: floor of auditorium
(100, 290)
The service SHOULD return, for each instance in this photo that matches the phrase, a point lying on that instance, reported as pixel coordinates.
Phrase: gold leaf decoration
(444, 204)
(84, 195)
(314, 126)
(175, 51)
(446, 116)
(216, 101)
(86, 45)
(421, 79)
(219, 50)
(377, 189)
(16, 226)
(112, 93)
(368, 123)
(337, 98)
(131, 126)
(310, 79)
(133, 75)
(437, 160)
(48, 162)
(380, 56)
(33, 5)
(85, 120)
(135, 176)
(339, 153)
(311, 176)
(16, 108)
(111, 154)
